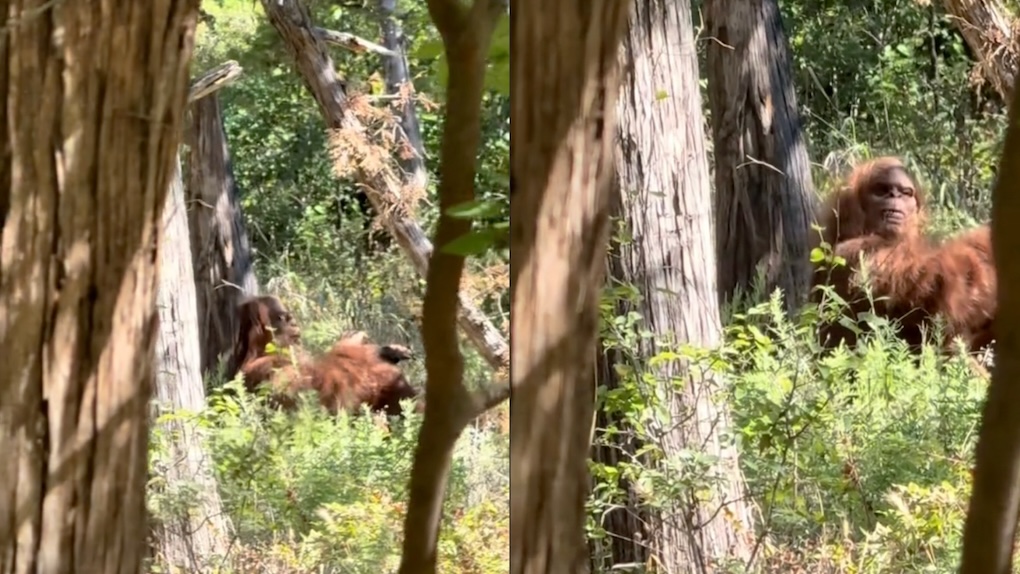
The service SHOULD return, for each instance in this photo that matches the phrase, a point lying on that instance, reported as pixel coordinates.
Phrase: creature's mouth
(893, 216)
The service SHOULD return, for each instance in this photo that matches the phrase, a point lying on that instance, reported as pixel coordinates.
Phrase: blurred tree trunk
(467, 34)
(990, 529)
(195, 539)
(91, 122)
(665, 201)
(221, 252)
(765, 195)
(987, 27)
(561, 179)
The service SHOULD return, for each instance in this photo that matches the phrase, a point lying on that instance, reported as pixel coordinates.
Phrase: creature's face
(890, 203)
(282, 323)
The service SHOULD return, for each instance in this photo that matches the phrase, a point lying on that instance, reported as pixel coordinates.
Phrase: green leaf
(473, 243)
(430, 49)
(817, 255)
(477, 209)
(497, 78)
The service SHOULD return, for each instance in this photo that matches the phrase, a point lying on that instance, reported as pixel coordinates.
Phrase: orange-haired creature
(352, 373)
(879, 214)
(263, 320)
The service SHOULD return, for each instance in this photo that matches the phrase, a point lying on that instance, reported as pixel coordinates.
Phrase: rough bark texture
(220, 249)
(986, 26)
(466, 35)
(990, 529)
(665, 200)
(383, 185)
(765, 195)
(563, 92)
(95, 96)
(398, 80)
(195, 541)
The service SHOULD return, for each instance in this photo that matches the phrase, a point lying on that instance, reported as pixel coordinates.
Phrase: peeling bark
(665, 201)
(987, 28)
(197, 539)
(564, 87)
(95, 97)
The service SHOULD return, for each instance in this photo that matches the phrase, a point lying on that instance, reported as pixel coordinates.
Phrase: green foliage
(497, 74)
(857, 457)
(888, 77)
(311, 492)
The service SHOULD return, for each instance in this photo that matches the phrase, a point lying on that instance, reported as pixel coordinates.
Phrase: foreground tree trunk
(194, 540)
(987, 28)
(765, 195)
(665, 201)
(466, 33)
(91, 123)
(561, 179)
(220, 248)
(990, 529)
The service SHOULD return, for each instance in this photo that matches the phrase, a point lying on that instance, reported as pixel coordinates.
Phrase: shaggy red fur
(354, 372)
(879, 214)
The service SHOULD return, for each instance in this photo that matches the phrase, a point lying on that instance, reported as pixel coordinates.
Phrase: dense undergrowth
(857, 460)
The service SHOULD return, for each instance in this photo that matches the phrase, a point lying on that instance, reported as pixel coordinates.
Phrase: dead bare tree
(383, 185)
(988, 29)
(411, 156)
(192, 540)
(221, 252)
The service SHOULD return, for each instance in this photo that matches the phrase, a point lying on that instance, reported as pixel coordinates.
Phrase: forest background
(873, 484)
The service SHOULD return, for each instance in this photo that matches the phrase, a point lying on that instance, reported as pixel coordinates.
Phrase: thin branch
(215, 79)
(351, 42)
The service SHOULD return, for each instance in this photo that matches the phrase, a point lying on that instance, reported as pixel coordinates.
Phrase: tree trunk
(93, 114)
(383, 185)
(665, 200)
(398, 81)
(219, 241)
(765, 195)
(467, 35)
(561, 180)
(195, 540)
(990, 529)
(986, 26)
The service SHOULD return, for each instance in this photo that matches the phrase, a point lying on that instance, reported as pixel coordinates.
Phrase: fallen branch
(351, 42)
(215, 79)
(381, 183)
